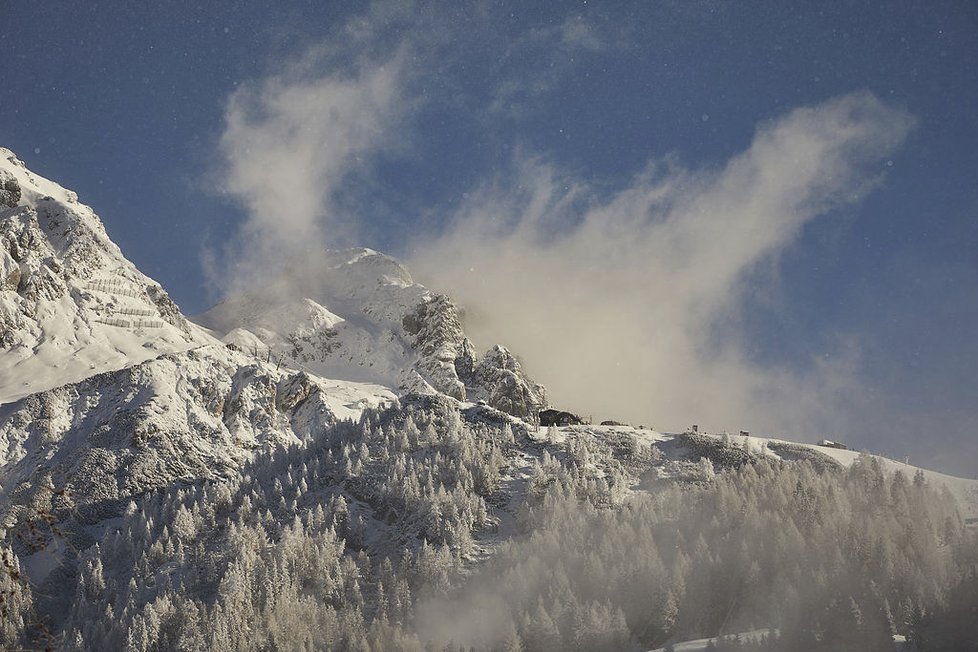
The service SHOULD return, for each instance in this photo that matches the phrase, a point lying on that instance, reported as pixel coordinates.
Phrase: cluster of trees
(837, 560)
(16, 603)
(324, 545)
(371, 537)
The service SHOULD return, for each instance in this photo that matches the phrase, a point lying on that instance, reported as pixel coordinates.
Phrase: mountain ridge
(336, 420)
(71, 301)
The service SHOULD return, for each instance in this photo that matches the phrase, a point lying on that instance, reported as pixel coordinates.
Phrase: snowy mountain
(71, 305)
(108, 391)
(327, 462)
(358, 314)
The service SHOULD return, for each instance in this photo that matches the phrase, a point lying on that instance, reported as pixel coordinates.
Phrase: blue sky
(866, 307)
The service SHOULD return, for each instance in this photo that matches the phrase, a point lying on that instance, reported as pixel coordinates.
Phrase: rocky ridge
(361, 316)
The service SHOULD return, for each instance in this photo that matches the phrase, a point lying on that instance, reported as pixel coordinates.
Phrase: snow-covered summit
(357, 314)
(71, 304)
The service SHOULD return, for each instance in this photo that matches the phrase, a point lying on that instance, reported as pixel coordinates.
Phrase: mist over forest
(372, 536)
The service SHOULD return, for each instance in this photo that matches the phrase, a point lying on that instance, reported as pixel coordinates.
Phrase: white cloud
(293, 141)
(289, 144)
(628, 308)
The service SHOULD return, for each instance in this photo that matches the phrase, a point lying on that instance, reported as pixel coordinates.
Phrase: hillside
(327, 462)
(72, 305)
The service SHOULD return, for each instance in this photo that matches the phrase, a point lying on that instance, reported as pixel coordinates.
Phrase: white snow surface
(346, 323)
(964, 490)
(71, 305)
(699, 644)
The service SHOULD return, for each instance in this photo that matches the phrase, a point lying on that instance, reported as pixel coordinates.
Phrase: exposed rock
(9, 190)
(559, 418)
(294, 390)
(169, 311)
(9, 271)
(439, 341)
(499, 377)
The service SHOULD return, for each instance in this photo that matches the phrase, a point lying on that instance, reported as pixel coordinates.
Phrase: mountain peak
(71, 304)
(358, 314)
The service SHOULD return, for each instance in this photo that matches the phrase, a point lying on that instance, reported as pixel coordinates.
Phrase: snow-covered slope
(189, 415)
(683, 447)
(71, 305)
(358, 314)
(108, 394)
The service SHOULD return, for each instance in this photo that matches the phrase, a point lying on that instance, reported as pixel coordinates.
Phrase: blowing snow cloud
(290, 143)
(628, 307)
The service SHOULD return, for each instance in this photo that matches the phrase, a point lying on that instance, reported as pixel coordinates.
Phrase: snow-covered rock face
(71, 305)
(9, 190)
(499, 380)
(358, 314)
(191, 415)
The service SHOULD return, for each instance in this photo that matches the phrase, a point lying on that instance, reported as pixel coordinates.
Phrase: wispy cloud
(294, 140)
(629, 307)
